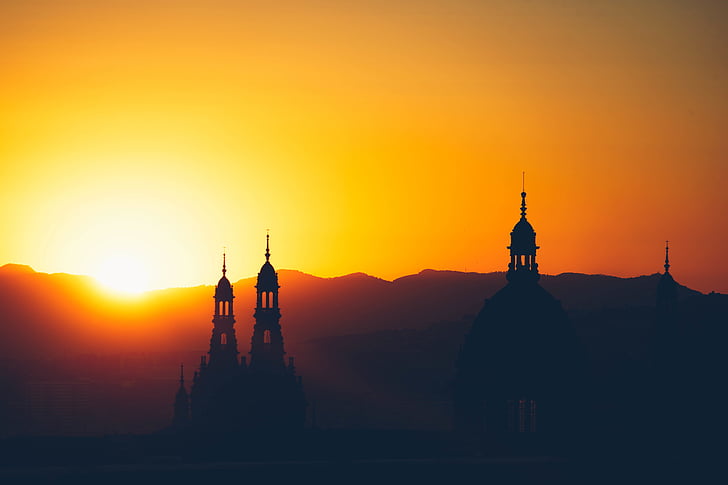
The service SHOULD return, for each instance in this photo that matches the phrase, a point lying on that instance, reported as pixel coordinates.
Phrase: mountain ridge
(370, 350)
(18, 268)
(48, 313)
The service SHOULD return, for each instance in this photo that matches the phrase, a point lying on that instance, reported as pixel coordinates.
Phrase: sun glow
(124, 274)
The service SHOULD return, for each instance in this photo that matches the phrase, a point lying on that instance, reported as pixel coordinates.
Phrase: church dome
(521, 338)
(523, 227)
(523, 237)
(224, 290)
(521, 350)
(267, 278)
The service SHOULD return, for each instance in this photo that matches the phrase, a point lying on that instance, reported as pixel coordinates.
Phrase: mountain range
(373, 353)
(50, 314)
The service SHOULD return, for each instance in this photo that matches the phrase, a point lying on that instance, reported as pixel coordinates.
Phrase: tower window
(266, 337)
(223, 339)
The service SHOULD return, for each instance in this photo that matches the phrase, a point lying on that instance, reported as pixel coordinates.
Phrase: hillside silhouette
(373, 353)
(45, 315)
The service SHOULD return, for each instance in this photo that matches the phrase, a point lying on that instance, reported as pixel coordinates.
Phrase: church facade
(228, 392)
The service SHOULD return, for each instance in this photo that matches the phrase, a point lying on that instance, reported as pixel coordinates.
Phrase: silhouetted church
(666, 304)
(518, 368)
(688, 359)
(227, 392)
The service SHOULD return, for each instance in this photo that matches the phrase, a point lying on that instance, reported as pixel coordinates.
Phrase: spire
(667, 256)
(667, 286)
(181, 374)
(267, 246)
(523, 195)
(523, 266)
(224, 269)
(523, 205)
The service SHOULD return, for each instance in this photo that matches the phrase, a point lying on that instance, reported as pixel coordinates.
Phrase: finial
(224, 269)
(182, 374)
(667, 256)
(267, 246)
(523, 196)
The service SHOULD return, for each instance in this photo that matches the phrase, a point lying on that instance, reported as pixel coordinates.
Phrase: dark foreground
(332, 457)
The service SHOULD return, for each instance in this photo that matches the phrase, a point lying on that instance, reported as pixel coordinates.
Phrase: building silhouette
(667, 328)
(228, 393)
(518, 370)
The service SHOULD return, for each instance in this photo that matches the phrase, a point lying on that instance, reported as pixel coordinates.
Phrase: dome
(523, 227)
(224, 290)
(267, 278)
(521, 341)
(521, 346)
(523, 238)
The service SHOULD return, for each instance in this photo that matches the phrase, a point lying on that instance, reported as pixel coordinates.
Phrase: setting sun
(124, 274)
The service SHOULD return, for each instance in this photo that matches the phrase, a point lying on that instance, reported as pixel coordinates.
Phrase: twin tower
(228, 393)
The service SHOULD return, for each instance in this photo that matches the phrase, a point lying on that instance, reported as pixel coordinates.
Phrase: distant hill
(372, 353)
(50, 314)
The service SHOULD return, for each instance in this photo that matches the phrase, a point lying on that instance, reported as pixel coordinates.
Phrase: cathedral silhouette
(228, 393)
(518, 368)
(521, 371)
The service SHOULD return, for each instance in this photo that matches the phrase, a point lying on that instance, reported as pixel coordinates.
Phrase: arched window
(223, 339)
(266, 337)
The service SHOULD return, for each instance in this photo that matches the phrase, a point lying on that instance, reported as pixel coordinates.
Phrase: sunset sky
(376, 136)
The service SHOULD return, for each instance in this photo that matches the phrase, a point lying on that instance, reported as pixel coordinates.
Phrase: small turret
(522, 266)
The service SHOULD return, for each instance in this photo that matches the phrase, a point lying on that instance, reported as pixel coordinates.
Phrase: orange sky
(376, 136)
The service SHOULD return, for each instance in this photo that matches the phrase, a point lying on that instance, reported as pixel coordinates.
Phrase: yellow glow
(123, 273)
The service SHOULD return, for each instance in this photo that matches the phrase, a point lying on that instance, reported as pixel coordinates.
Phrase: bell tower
(223, 343)
(266, 347)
